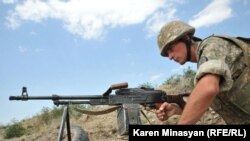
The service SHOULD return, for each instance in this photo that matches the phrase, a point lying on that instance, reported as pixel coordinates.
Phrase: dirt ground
(104, 127)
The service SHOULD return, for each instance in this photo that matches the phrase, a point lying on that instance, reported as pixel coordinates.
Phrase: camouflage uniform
(222, 55)
(219, 56)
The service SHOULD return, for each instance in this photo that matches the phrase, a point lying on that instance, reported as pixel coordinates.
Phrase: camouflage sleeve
(216, 67)
(216, 57)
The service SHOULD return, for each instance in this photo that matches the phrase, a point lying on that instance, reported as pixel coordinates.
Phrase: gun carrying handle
(119, 86)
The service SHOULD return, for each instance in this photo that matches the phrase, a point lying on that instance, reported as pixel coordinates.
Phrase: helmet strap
(188, 43)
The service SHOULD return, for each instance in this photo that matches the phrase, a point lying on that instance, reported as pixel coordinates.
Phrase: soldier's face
(177, 52)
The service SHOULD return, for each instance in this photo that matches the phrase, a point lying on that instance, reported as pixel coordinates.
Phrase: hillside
(98, 127)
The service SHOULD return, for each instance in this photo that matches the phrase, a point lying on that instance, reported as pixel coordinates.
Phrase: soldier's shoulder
(212, 42)
(211, 39)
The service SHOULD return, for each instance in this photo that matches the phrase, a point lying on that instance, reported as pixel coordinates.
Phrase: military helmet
(172, 32)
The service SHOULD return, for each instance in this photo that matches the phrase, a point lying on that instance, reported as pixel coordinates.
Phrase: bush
(189, 75)
(14, 130)
(173, 80)
(146, 85)
(57, 112)
(45, 116)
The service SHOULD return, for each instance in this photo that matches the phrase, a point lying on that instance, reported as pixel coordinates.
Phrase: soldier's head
(174, 41)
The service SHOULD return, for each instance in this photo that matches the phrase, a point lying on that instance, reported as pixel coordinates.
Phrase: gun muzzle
(18, 98)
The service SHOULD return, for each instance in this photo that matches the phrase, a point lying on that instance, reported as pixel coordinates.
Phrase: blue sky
(77, 47)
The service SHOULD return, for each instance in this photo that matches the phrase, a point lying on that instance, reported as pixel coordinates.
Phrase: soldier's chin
(182, 63)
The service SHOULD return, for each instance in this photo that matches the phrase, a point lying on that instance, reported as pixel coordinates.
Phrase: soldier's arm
(200, 99)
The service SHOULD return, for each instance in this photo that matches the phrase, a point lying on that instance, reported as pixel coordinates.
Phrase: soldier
(222, 80)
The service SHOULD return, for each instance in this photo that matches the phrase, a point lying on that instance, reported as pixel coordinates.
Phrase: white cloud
(163, 15)
(87, 18)
(90, 19)
(38, 50)
(158, 19)
(33, 33)
(216, 12)
(126, 40)
(155, 77)
(22, 49)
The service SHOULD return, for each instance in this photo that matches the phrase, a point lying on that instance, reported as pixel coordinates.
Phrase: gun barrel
(30, 98)
(55, 97)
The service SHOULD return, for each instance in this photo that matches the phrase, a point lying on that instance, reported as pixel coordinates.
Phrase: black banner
(189, 132)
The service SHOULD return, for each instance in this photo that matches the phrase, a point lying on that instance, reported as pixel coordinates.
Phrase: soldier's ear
(187, 37)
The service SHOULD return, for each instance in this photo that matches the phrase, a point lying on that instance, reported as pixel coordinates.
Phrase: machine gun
(123, 97)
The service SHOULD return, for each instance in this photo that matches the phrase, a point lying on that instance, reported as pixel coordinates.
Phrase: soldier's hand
(166, 110)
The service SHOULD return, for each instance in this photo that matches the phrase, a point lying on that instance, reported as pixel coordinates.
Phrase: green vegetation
(182, 82)
(173, 80)
(45, 117)
(48, 115)
(14, 130)
(146, 85)
(189, 75)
